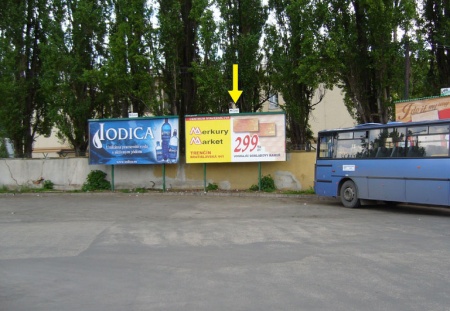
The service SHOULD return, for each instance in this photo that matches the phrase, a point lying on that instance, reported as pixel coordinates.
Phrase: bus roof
(367, 126)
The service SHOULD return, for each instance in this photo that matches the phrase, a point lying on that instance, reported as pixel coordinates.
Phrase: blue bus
(394, 162)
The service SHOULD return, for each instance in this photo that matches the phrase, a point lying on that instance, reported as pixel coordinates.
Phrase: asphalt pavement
(185, 251)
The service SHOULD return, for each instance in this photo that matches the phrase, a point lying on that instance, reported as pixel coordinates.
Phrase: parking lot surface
(116, 251)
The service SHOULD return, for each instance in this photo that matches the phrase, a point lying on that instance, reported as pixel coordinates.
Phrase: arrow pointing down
(235, 93)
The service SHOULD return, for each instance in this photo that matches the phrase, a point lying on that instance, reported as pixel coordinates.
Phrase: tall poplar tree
(369, 59)
(177, 29)
(130, 64)
(242, 30)
(296, 62)
(208, 68)
(437, 26)
(23, 106)
(77, 48)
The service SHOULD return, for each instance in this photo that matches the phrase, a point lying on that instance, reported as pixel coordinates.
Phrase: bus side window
(374, 142)
(415, 152)
(398, 152)
(383, 152)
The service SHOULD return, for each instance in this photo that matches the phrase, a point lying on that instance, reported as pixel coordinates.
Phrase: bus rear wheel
(349, 195)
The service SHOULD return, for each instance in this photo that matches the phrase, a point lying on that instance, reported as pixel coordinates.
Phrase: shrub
(267, 184)
(96, 181)
(48, 185)
(211, 187)
(3, 150)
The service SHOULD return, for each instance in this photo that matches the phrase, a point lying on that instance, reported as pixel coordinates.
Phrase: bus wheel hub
(349, 194)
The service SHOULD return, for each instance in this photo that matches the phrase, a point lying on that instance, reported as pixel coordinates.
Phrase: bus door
(323, 183)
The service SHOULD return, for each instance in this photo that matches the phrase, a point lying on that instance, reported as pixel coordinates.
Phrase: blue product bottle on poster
(166, 131)
(159, 153)
(173, 147)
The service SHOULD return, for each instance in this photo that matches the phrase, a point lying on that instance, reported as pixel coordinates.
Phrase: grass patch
(4, 189)
(304, 192)
(135, 190)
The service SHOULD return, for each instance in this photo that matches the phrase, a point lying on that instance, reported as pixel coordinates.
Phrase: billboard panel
(256, 137)
(134, 141)
(423, 109)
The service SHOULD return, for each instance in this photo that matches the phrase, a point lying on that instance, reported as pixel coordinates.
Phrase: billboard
(433, 108)
(134, 141)
(255, 137)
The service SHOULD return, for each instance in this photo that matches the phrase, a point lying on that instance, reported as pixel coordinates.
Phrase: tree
(368, 58)
(296, 64)
(208, 68)
(178, 27)
(129, 66)
(76, 54)
(437, 26)
(242, 29)
(24, 108)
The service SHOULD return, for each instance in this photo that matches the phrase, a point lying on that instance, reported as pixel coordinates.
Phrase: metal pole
(164, 177)
(259, 176)
(112, 178)
(204, 177)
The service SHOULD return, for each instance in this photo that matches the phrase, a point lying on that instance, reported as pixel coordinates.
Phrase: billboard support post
(164, 176)
(204, 177)
(259, 176)
(112, 178)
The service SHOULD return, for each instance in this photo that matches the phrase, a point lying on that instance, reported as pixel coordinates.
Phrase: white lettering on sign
(120, 134)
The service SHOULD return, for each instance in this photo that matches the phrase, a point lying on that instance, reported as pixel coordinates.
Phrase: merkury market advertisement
(253, 137)
(134, 141)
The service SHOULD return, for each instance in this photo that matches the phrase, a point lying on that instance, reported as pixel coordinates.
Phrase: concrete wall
(328, 114)
(297, 173)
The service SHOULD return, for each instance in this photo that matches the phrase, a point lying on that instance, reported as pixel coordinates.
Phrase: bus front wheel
(349, 195)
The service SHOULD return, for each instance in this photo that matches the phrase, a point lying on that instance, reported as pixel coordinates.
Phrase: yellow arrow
(235, 93)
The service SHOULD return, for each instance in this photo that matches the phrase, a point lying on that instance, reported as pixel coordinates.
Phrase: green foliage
(437, 28)
(23, 108)
(368, 55)
(4, 189)
(74, 59)
(212, 187)
(48, 185)
(85, 59)
(140, 190)
(241, 37)
(127, 69)
(135, 190)
(267, 184)
(296, 63)
(3, 150)
(306, 192)
(254, 188)
(96, 181)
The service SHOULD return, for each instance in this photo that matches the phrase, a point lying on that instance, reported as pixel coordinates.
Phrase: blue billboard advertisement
(134, 141)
